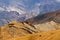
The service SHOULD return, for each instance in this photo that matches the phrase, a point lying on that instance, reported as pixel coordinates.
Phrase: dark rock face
(57, 17)
(51, 16)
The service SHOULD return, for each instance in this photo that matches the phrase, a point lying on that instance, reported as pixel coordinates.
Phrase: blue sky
(27, 5)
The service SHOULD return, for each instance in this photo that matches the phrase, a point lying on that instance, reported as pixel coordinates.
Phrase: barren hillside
(38, 24)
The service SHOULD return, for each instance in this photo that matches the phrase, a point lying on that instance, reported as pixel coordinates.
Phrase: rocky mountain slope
(40, 23)
(49, 20)
(47, 17)
(49, 35)
(18, 29)
(14, 29)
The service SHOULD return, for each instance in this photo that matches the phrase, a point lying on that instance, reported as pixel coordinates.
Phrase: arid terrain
(42, 24)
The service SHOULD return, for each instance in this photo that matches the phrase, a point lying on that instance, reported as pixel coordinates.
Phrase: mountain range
(41, 23)
(46, 17)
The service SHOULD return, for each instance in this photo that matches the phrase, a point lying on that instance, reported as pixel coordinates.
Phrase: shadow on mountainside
(47, 17)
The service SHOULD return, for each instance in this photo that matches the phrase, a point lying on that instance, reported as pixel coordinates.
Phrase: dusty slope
(18, 29)
(14, 29)
(41, 23)
(49, 35)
